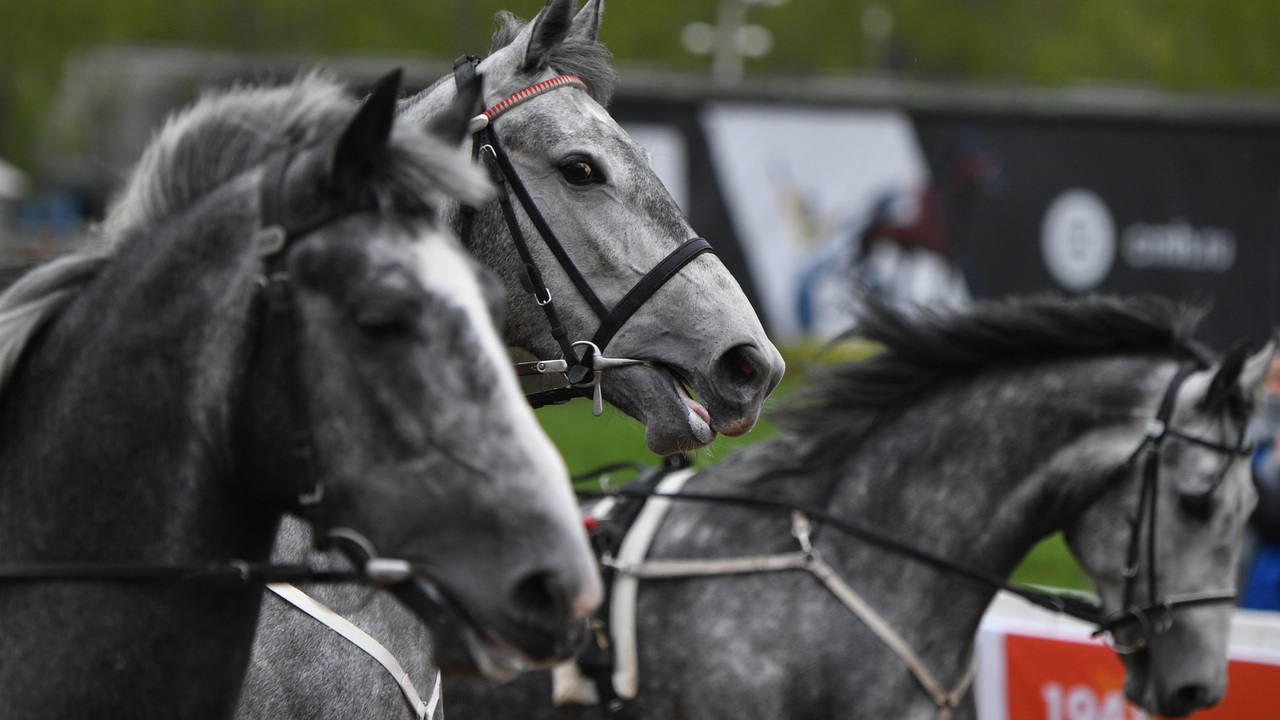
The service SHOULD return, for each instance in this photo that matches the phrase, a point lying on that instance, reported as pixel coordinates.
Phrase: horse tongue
(698, 409)
(695, 406)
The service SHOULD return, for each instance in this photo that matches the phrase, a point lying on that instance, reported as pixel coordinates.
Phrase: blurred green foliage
(1172, 44)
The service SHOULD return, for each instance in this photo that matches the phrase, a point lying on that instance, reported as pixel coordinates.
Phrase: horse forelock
(589, 60)
(841, 404)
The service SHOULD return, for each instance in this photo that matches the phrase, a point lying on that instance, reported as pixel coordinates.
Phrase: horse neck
(963, 474)
(123, 404)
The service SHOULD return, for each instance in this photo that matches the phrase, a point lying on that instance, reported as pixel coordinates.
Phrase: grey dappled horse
(595, 187)
(970, 437)
(274, 278)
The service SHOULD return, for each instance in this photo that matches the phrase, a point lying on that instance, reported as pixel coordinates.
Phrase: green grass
(588, 442)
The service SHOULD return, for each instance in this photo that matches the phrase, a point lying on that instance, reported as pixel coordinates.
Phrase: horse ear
(1229, 372)
(586, 24)
(550, 28)
(1256, 369)
(367, 133)
(452, 124)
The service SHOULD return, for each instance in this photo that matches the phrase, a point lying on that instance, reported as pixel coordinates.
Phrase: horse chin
(494, 659)
(460, 645)
(674, 421)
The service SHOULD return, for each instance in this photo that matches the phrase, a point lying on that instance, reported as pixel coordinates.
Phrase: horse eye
(580, 172)
(383, 327)
(388, 318)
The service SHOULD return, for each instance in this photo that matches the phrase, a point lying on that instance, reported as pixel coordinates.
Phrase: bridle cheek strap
(1156, 614)
(279, 331)
(648, 285)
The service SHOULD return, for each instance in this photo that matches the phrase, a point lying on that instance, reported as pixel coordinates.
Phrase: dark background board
(1164, 173)
(1222, 177)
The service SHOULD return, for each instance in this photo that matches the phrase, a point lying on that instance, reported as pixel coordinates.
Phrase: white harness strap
(622, 605)
(945, 700)
(365, 642)
(632, 567)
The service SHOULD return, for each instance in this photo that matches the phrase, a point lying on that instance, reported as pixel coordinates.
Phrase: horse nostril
(549, 626)
(744, 365)
(1188, 699)
(537, 600)
(739, 366)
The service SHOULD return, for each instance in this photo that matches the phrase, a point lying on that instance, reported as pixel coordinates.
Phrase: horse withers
(274, 322)
(968, 438)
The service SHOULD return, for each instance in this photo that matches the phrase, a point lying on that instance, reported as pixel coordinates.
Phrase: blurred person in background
(1261, 577)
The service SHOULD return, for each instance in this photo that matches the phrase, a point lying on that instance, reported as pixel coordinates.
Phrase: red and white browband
(482, 120)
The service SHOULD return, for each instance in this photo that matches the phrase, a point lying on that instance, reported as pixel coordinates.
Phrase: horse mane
(841, 404)
(222, 135)
(589, 60)
(228, 132)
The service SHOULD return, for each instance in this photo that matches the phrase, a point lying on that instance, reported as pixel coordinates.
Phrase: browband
(483, 120)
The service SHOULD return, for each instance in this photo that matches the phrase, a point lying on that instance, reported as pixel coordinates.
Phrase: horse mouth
(496, 659)
(461, 642)
(699, 418)
(663, 397)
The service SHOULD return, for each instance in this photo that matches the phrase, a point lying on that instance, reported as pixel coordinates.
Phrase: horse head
(1181, 505)
(708, 365)
(389, 360)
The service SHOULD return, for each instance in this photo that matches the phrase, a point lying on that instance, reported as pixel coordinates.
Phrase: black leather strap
(530, 276)
(544, 229)
(648, 285)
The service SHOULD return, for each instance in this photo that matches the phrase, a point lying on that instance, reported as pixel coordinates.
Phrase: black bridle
(582, 368)
(1154, 616)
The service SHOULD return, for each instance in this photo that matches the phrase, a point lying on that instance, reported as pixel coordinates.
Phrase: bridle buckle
(1156, 429)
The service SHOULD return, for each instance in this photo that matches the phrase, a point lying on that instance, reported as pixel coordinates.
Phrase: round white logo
(1078, 239)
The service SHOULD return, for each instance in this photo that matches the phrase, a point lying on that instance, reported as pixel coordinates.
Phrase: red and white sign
(1034, 665)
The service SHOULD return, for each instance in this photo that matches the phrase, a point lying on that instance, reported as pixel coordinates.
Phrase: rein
(583, 370)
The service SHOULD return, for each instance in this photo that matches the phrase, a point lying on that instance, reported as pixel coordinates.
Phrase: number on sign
(1081, 702)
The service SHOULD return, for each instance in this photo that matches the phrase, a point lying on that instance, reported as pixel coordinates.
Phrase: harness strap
(278, 330)
(490, 138)
(530, 276)
(685, 568)
(527, 94)
(648, 285)
(236, 571)
(946, 700)
(1149, 490)
(320, 612)
(622, 597)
